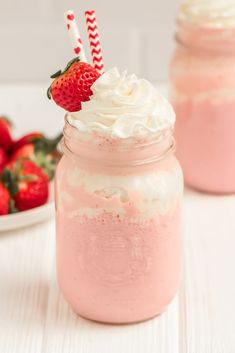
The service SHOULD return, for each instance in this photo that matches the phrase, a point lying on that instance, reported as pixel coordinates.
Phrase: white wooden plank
(25, 267)
(208, 294)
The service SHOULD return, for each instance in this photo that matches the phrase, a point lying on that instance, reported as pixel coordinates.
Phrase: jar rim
(117, 155)
(154, 138)
(205, 38)
(111, 163)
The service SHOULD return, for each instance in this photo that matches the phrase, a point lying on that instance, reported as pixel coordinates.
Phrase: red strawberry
(4, 200)
(27, 183)
(45, 161)
(39, 140)
(6, 140)
(26, 151)
(28, 138)
(41, 150)
(72, 86)
(3, 159)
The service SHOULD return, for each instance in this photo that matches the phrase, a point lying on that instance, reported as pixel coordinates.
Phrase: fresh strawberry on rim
(72, 86)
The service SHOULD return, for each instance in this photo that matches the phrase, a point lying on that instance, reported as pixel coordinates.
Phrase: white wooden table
(34, 318)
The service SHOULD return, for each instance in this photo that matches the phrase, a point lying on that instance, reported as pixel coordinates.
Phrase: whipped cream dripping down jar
(118, 203)
(202, 77)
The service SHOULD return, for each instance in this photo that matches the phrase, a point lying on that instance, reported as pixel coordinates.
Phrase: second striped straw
(94, 39)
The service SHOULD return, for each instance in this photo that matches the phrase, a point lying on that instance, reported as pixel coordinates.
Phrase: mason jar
(118, 220)
(202, 77)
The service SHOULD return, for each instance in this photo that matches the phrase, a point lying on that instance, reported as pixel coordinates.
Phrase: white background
(136, 35)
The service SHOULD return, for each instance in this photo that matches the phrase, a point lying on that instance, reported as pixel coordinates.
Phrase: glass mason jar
(118, 219)
(202, 76)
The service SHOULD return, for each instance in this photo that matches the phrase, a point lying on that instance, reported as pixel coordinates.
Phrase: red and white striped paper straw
(75, 35)
(94, 39)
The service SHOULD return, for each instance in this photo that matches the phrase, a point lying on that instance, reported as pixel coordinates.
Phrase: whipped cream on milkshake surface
(123, 106)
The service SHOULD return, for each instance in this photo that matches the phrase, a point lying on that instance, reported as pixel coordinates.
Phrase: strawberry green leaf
(47, 163)
(49, 93)
(28, 178)
(12, 208)
(46, 145)
(9, 179)
(56, 74)
(70, 63)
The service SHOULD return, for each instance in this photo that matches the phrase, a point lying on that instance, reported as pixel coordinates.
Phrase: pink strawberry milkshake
(118, 203)
(202, 76)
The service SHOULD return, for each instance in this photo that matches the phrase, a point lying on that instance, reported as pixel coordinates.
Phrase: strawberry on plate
(4, 200)
(39, 140)
(25, 151)
(3, 159)
(27, 183)
(72, 86)
(28, 138)
(40, 150)
(6, 139)
(46, 162)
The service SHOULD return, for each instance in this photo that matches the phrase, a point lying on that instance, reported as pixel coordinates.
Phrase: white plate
(30, 217)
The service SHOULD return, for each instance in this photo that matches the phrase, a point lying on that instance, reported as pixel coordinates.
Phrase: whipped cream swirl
(210, 13)
(123, 106)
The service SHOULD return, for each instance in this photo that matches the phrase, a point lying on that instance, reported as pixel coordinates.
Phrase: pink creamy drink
(202, 77)
(118, 203)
